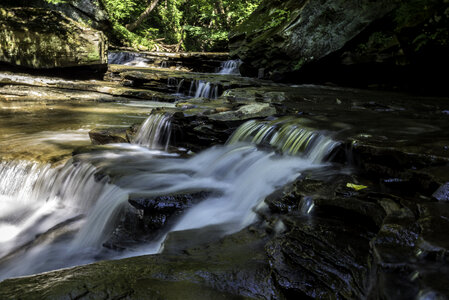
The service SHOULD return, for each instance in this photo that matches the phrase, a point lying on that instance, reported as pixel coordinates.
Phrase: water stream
(60, 217)
(230, 67)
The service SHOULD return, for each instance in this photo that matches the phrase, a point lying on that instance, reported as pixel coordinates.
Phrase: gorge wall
(392, 43)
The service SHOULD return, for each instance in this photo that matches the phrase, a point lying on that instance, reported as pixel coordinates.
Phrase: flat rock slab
(235, 269)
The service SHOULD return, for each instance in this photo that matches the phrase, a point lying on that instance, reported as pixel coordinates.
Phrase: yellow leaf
(355, 186)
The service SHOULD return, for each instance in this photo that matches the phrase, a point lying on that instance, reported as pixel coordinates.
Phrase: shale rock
(146, 215)
(348, 42)
(235, 268)
(35, 38)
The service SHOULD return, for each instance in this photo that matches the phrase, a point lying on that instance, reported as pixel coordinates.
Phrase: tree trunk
(143, 16)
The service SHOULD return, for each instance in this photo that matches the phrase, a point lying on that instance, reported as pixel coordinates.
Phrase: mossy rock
(39, 39)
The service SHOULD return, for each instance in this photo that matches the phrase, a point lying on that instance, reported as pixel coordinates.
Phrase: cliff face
(343, 40)
(40, 39)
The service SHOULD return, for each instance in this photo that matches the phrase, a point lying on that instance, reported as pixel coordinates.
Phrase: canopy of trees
(192, 25)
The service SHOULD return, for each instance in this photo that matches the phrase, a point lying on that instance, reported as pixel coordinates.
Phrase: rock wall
(88, 12)
(355, 42)
(40, 39)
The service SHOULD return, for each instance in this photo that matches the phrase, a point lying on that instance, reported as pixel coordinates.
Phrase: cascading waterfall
(40, 206)
(155, 132)
(200, 88)
(230, 67)
(287, 136)
(74, 213)
(128, 59)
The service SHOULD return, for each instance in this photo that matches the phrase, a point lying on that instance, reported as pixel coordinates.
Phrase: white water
(54, 218)
(35, 199)
(288, 136)
(200, 88)
(128, 59)
(230, 67)
(155, 132)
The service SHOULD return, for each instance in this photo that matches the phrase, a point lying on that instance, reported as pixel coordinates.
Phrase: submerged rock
(37, 39)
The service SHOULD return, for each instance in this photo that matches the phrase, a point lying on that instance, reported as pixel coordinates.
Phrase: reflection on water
(51, 131)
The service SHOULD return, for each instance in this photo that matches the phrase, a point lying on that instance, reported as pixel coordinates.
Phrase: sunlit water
(60, 215)
(51, 131)
(55, 218)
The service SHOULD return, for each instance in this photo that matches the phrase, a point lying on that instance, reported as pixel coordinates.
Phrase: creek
(158, 156)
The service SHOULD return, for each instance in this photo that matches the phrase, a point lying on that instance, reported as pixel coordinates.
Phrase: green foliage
(278, 16)
(124, 10)
(130, 39)
(423, 24)
(196, 25)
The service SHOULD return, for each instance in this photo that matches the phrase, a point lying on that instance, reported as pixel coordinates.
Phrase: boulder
(110, 135)
(37, 39)
(88, 12)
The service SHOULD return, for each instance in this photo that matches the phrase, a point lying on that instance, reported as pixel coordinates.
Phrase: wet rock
(146, 215)
(235, 268)
(442, 193)
(320, 258)
(246, 112)
(38, 39)
(434, 224)
(110, 136)
(172, 81)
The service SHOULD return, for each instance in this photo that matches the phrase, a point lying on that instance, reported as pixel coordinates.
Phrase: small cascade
(155, 132)
(172, 82)
(203, 89)
(164, 64)
(230, 67)
(178, 88)
(128, 59)
(65, 215)
(38, 205)
(287, 136)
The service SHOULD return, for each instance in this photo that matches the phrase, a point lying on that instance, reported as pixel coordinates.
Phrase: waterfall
(128, 59)
(200, 88)
(230, 67)
(59, 217)
(155, 132)
(39, 206)
(287, 136)
(164, 64)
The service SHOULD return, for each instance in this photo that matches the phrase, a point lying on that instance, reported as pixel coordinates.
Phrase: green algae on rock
(38, 39)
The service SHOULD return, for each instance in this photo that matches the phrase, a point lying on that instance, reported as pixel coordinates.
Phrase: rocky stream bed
(370, 220)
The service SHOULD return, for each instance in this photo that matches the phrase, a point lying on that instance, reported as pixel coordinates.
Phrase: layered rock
(88, 12)
(46, 40)
(381, 42)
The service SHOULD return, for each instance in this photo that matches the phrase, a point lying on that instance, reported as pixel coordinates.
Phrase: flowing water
(128, 59)
(50, 131)
(155, 132)
(200, 88)
(288, 136)
(230, 67)
(59, 217)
